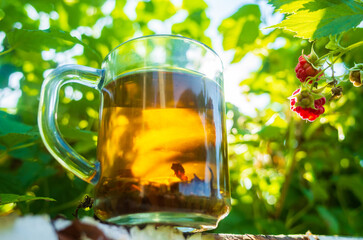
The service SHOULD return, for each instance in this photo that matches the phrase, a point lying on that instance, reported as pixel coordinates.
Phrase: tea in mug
(162, 146)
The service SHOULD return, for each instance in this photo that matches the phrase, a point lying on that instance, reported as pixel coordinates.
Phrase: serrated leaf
(288, 6)
(317, 19)
(14, 198)
(38, 40)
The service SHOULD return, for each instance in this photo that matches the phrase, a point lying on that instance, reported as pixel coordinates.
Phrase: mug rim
(167, 36)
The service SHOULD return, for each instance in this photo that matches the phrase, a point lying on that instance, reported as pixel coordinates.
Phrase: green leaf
(5, 71)
(194, 26)
(241, 30)
(11, 140)
(14, 198)
(28, 151)
(330, 220)
(317, 19)
(10, 183)
(333, 43)
(349, 38)
(270, 132)
(77, 134)
(14, 132)
(38, 40)
(194, 5)
(9, 124)
(35, 40)
(30, 172)
(2, 14)
(319, 192)
(288, 6)
(308, 194)
(155, 9)
(354, 183)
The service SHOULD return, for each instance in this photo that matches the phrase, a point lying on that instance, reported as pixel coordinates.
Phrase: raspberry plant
(321, 19)
(308, 100)
(282, 158)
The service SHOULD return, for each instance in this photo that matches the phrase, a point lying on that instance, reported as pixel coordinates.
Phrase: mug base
(185, 222)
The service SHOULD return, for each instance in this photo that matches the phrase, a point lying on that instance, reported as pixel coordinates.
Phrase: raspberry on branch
(308, 101)
(306, 106)
(305, 69)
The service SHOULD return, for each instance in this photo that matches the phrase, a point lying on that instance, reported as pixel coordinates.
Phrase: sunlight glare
(14, 80)
(9, 98)
(48, 55)
(44, 21)
(246, 182)
(46, 72)
(67, 56)
(100, 24)
(31, 11)
(108, 7)
(2, 37)
(17, 25)
(54, 15)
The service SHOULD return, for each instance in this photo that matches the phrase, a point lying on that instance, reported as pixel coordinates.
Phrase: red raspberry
(308, 113)
(304, 69)
(293, 100)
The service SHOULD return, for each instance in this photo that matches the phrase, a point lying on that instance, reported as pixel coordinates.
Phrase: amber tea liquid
(162, 148)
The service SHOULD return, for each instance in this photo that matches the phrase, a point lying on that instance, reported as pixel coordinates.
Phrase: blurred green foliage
(287, 176)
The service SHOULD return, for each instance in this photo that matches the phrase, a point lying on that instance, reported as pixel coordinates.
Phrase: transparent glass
(162, 147)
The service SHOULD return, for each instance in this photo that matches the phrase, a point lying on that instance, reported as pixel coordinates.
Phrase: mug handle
(47, 118)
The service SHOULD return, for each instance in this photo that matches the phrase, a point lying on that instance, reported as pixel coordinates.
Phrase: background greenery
(287, 176)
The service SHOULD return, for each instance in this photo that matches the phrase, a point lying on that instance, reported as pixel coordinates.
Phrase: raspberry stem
(345, 50)
(353, 46)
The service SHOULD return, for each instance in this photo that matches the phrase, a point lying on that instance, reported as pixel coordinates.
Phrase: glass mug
(162, 147)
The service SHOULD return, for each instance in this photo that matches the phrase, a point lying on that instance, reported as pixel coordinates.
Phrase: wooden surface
(307, 236)
(257, 237)
(41, 227)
